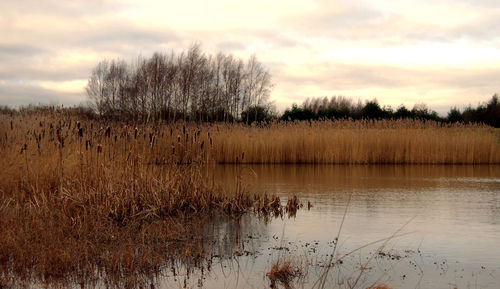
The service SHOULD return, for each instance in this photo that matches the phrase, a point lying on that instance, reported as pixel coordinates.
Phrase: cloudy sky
(438, 52)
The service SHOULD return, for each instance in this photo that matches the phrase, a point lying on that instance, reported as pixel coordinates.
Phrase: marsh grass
(283, 272)
(83, 202)
(358, 142)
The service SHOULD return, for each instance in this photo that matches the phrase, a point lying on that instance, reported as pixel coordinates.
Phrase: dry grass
(358, 142)
(83, 202)
(283, 272)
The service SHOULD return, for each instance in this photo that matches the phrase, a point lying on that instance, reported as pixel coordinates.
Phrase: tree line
(192, 86)
(342, 107)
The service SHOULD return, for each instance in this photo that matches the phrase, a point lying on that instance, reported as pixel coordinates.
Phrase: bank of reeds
(94, 200)
(358, 142)
(88, 202)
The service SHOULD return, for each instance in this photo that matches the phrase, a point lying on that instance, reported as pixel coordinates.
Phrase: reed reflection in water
(454, 212)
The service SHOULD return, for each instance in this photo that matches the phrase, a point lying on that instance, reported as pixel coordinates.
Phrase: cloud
(436, 51)
(61, 9)
(19, 94)
(440, 87)
(19, 50)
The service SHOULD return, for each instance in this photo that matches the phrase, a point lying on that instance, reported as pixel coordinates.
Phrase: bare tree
(191, 85)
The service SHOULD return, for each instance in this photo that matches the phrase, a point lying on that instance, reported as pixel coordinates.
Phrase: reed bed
(358, 142)
(87, 202)
(84, 201)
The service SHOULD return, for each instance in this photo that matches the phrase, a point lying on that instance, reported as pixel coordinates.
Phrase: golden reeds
(86, 201)
(97, 200)
(283, 271)
(357, 142)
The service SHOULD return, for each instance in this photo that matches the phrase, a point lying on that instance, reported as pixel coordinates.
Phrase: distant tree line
(188, 86)
(342, 107)
(488, 113)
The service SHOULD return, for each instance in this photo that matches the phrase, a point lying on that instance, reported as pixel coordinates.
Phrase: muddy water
(442, 225)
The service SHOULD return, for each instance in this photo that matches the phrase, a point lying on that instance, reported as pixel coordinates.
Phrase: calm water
(446, 220)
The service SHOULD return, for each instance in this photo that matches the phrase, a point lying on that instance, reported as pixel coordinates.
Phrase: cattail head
(152, 142)
(99, 148)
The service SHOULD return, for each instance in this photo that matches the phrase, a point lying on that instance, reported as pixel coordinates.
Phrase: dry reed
(358, 142)
(83, 202)
(283, 271)
(98, 200)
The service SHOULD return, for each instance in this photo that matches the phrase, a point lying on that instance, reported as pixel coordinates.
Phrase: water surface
(448, 216)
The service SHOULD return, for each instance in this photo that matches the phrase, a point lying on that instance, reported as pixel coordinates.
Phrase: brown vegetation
(357, 142)
(284, 271)
(83, 202)
(86, 201)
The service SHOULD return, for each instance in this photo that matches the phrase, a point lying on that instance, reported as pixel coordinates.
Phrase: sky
(442, 52)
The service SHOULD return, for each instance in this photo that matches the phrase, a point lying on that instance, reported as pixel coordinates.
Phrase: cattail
(202, 145)
(108, 132)
(99, 148)
(178, 138)
(152, 143)
(135, 133)
(87, 145)
(80, 132)
(11, 125)
(77, 125)
(59, 137)
(173, 149)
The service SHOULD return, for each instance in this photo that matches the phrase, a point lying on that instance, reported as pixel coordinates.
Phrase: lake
(404, 226)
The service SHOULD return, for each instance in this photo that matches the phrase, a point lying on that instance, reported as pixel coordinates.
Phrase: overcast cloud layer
(439, 52)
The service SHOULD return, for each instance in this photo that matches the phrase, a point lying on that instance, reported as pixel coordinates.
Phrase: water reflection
(455, 212)
(447, 219)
